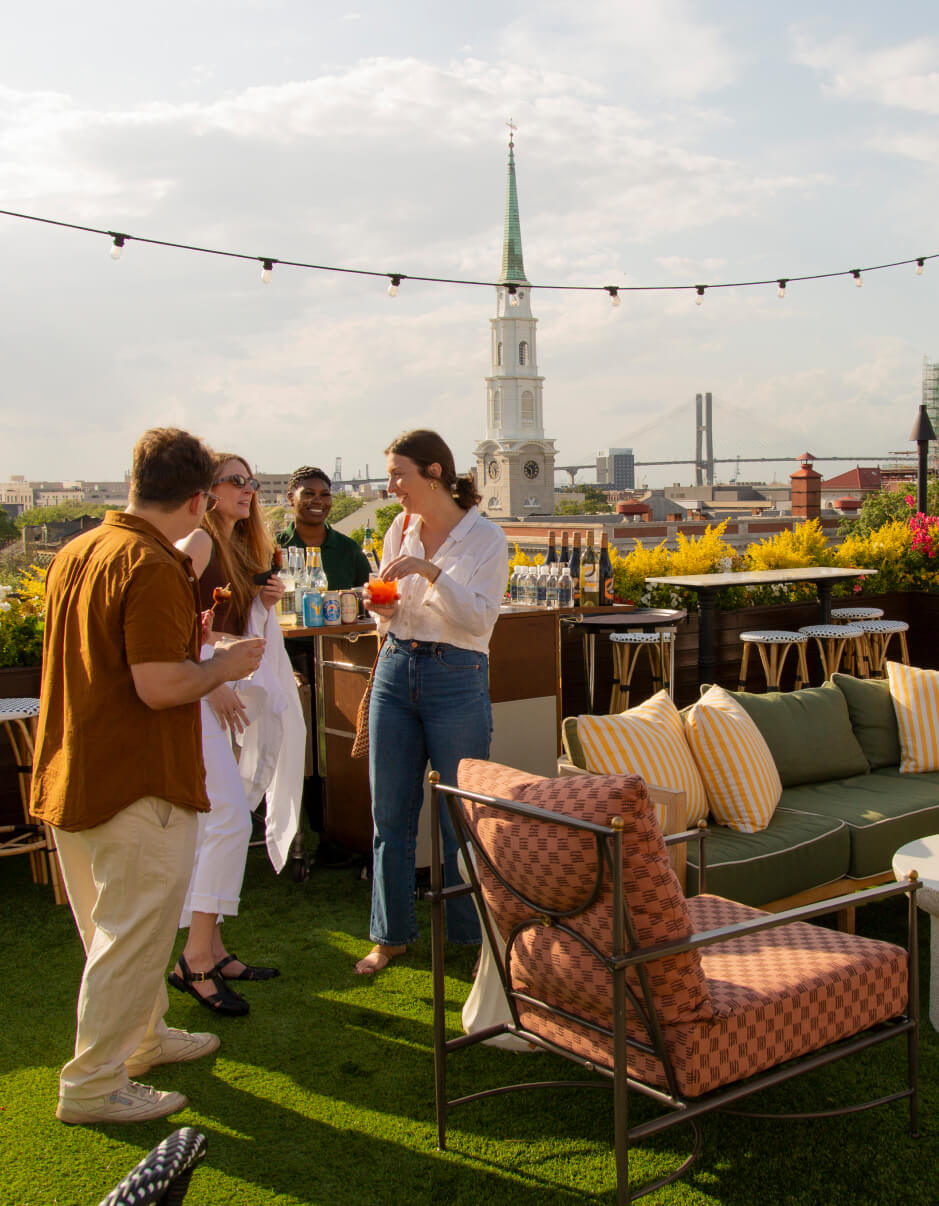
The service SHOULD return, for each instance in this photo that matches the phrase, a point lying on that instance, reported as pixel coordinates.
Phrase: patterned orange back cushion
(556, 867)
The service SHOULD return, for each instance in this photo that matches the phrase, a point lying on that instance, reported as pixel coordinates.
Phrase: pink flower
(857, 588)
(910, 500)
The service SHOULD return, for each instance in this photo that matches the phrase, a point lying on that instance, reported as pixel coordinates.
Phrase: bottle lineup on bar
(571, 578)
(607, 590)
(574, 565)
(552, 556)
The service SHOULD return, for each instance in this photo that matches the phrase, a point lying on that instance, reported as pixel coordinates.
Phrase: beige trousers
(126, 881)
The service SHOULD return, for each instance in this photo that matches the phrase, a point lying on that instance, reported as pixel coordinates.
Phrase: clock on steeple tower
(515, 463)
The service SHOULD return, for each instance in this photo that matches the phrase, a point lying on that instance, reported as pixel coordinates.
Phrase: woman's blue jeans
(429, 702)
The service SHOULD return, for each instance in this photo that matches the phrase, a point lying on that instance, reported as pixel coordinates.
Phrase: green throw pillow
(571, 742)
(873, 718)
(808, 732)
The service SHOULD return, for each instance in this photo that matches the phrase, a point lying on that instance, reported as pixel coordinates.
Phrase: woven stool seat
(831, 641)
(773, 636)
(773, 645)
(877, 636)
(849, 614)
(18, 708)
(626, 647)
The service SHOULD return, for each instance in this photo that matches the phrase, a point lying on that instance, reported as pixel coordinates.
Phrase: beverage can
(348, 606)
(331, 610)
(312, 609)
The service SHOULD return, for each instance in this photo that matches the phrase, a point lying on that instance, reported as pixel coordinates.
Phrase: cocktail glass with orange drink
(383, 592)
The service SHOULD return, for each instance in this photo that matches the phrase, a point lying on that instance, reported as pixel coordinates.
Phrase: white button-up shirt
(462, 606)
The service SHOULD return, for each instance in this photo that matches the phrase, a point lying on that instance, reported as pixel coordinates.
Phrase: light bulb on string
(393, 287)
(781, 291)
(267, 268)
(856, 273)
(699, 298)
(117, 244)
(614, 294)
(920, 265)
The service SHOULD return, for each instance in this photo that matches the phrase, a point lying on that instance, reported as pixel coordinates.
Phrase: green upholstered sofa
(845, 807)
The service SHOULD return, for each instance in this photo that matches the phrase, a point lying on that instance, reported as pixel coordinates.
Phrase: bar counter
(524, 686)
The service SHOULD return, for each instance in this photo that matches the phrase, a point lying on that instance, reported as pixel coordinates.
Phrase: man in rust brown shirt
(118, 769)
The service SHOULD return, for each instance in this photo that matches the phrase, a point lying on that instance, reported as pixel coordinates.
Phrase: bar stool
(626, 647)
(773, 645)
(851, 615)
(831, 640)
(32, 837)
(877, 637)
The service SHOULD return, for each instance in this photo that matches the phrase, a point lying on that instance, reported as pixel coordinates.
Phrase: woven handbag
(360, 744)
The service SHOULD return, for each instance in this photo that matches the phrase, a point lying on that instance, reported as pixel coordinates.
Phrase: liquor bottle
(301, 584)
(552, 556)
(606, 573)
(541, 586)
(514, 582)
(589, 576)
(551, 593)
(575, 571)
(565, 551)
(368, 548)
(315, 571)
(286, 607)
(565, 587)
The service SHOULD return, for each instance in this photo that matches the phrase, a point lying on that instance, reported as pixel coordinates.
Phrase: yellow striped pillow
(915, 695)
(738, 770)
(647, 740)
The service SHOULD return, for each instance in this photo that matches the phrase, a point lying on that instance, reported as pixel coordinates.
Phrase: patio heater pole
(921, 434)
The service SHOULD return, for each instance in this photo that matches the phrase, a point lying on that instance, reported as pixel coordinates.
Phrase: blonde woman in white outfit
(228, 552)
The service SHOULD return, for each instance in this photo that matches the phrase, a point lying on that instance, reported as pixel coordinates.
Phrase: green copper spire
(513, 270)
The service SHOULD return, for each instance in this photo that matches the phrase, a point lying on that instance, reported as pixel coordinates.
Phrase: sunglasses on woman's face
(239, 480)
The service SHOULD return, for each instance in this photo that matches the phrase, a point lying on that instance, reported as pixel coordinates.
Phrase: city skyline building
(616, 468)
(515, 462)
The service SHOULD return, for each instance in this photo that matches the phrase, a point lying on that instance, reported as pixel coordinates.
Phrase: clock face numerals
(530, 469)
(494, 470)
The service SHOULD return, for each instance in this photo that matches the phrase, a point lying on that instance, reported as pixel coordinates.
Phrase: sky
(661, 144)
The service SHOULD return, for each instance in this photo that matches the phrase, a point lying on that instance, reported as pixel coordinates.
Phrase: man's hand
(229, 708)
(240, 656)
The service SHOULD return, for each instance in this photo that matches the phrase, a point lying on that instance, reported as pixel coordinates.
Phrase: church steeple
(513, 269)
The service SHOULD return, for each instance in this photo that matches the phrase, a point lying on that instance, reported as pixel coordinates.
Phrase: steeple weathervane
(513, 268)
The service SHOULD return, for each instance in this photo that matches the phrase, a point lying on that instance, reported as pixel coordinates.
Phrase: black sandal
(249, 973)
(225, 1001)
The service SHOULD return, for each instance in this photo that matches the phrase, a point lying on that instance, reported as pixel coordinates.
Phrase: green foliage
(886, 506)
(343, 505)
(8, 529)
(61, 511)
(595, 503)
(22, 609)
(384, 518)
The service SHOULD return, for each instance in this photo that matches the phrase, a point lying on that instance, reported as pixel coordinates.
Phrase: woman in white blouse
(430, 699)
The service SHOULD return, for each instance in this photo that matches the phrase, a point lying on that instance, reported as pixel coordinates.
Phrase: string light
(393, 287)
(118, 241)
(782, 283)
(699, 290)
(267, 267)
(614, 294)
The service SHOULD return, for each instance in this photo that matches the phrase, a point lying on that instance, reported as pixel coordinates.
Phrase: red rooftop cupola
(806, 489)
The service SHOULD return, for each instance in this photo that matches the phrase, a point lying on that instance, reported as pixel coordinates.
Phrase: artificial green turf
(324, 1094)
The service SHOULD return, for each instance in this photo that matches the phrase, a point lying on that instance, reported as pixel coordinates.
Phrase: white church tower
(514, 463)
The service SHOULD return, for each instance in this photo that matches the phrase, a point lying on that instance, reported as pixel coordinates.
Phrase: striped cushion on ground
(555, 867)
(915, 696)
(648, 740)
(743, 785)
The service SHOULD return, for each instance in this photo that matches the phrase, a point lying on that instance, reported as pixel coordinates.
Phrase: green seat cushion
(873, 719)
(883, 811)
(795, 852)
(808, 732)
(571, 742)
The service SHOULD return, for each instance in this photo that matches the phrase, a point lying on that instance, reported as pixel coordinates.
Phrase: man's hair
(303, 474)
(170, 466)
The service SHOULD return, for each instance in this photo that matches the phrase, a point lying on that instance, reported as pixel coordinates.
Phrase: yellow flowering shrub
(803, 546)
(705, 554)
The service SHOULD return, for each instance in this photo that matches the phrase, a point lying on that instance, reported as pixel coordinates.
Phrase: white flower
(4, 606)
(725, 564)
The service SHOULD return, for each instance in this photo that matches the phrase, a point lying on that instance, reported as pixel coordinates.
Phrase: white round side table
(922, 856)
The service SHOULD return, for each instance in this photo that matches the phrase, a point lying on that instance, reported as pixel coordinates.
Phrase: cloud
(902, 76)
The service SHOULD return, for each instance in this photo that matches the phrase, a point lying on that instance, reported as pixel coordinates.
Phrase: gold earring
(434, 485)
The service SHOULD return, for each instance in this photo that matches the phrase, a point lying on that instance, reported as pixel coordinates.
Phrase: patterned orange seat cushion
(556, 867)
(776, 995)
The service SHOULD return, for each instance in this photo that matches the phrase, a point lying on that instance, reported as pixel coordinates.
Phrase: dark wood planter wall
(920, 611)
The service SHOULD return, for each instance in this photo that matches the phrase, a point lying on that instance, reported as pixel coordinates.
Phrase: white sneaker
(176, 1047)
(132, 1103)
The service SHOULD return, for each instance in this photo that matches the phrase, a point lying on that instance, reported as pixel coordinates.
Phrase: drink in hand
(383, 592)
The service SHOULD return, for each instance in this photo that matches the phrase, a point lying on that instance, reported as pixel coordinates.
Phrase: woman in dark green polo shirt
(309, 493)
